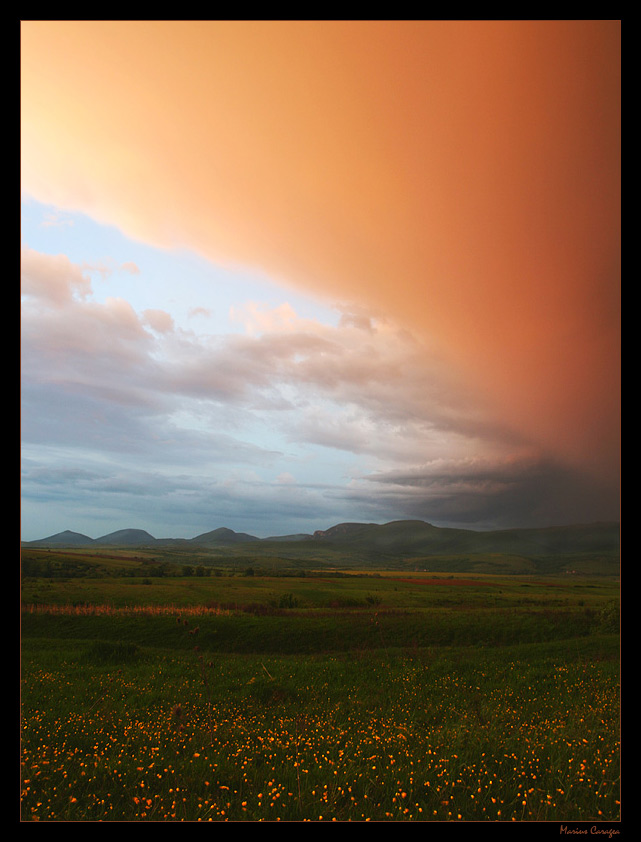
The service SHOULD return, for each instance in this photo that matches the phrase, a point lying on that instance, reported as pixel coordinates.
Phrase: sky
(278, 275)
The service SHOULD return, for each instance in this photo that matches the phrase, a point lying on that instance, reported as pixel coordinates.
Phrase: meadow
(318, 697)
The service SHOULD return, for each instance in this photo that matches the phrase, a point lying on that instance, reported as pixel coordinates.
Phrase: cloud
(256, 319)
(52, 279)
(199, 311)
(95, 378)
(500, 493)
(130, 268)
(281, 360)
(159, 320)
(103, 383)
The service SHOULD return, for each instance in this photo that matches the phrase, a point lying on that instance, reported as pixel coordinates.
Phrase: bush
(287, 600)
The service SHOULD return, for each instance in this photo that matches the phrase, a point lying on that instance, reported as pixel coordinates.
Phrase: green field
(316, 695)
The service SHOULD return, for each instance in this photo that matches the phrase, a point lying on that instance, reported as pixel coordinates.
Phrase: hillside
(63, 539)
(223, 537)
(127, 537)
(370, 543)
(415, 537)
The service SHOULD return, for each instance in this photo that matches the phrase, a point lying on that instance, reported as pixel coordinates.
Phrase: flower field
(181, 730)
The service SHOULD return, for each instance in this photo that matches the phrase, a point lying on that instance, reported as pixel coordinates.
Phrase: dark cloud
(521, 494)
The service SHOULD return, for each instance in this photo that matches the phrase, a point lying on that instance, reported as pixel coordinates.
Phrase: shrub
(287, 600)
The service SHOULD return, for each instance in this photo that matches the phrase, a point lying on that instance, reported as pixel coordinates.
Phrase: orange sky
(462, 177)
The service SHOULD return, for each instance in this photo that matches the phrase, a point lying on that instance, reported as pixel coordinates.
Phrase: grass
(294, 633)
(319, 590)
(433, 704)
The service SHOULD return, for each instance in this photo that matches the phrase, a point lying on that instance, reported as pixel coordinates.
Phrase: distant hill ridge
(405, 537)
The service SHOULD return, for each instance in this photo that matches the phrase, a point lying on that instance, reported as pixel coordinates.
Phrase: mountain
(416, 537)
(64, 539)
(403, 539)
(346, 532)
(130, 537)
(223, 537)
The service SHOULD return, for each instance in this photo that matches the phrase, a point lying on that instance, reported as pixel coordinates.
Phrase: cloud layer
(118, 405)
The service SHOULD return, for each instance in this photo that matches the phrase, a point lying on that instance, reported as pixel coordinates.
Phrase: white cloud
(159, 320)
(200, 311)
(54, 280)
(362, 386)
(130, 268)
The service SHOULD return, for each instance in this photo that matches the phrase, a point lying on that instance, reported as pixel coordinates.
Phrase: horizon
(284, 274)
(276, 536)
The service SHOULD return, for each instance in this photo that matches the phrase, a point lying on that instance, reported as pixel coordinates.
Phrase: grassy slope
(376, 545)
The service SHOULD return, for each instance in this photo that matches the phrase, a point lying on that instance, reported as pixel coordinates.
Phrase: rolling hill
(126, 537)
(222, 537)
(398, 539)
(63, 539)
